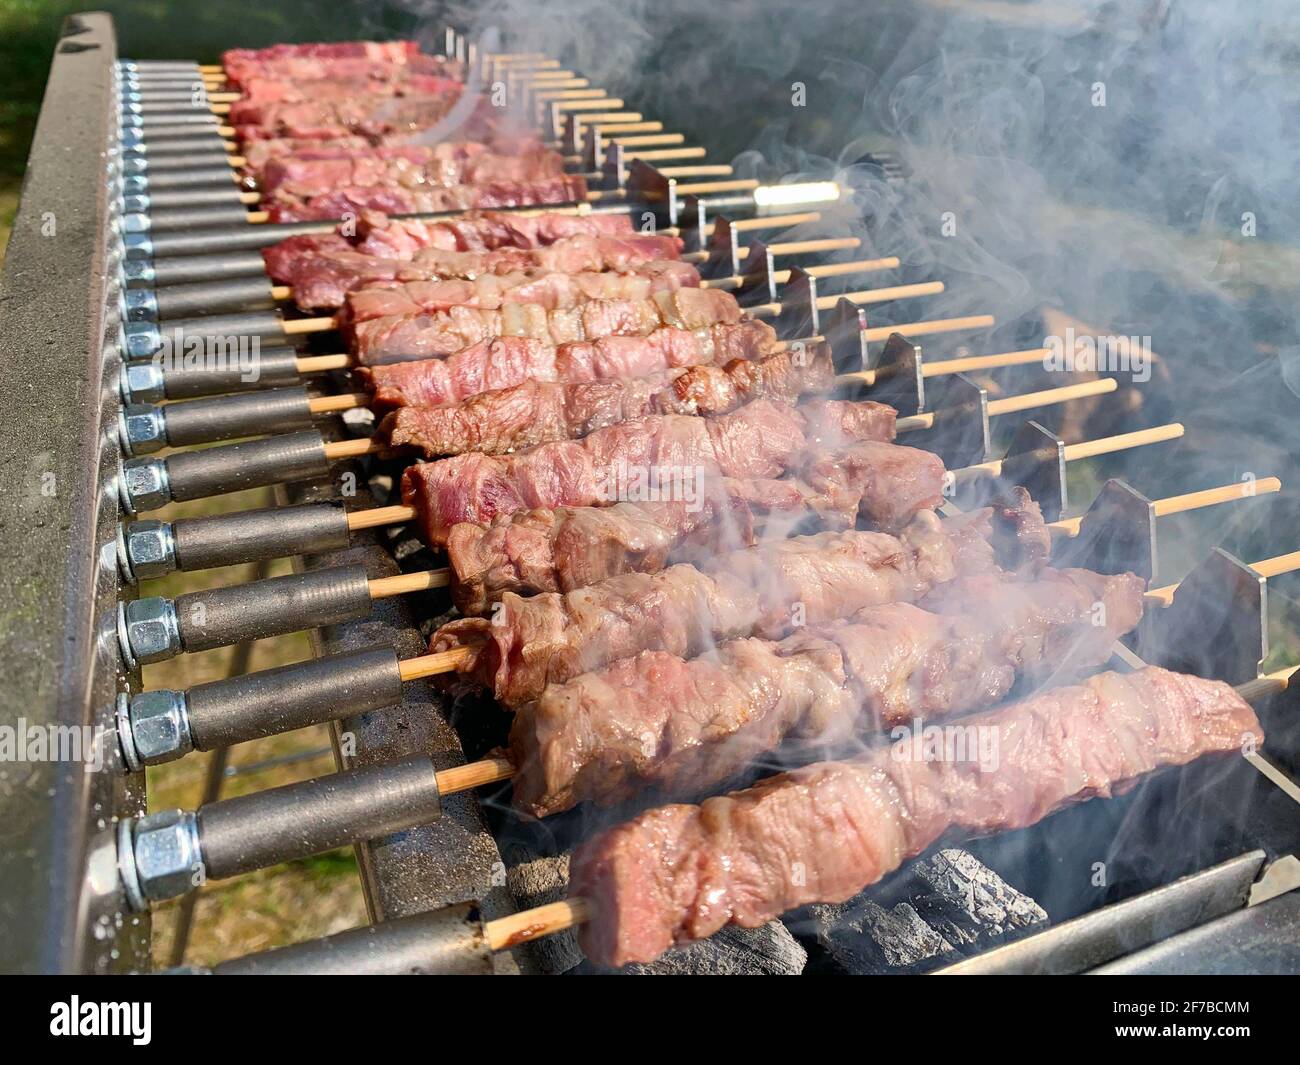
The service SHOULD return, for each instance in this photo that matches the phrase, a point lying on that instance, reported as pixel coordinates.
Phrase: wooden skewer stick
(550, 93)
(611, 128)
(527, 925)
(351, 449)
(598, 103)
(1268, 567)
(698, 188)
(342, 401)
(938, 325)
(1269, 684)
(552, 79)
(646, 140)
(789, 247)
(951, 366)
(1088, 449)
(857, 266)
(1029, 401)
(658, 153)
(870, 295)
(532, 60)
(1207, 497)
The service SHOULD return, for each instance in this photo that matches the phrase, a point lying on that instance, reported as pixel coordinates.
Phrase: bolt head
(151, 630)
(143, 339)
(136, 203)
(160, 727)
(150, 548)
(142, 428)
(142, 382)
(168, 860)
(145, 485)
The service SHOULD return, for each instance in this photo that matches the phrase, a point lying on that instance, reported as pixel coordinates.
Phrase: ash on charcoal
(968, 902)
(955, 906)
(864, 937)
(535, 880)
(769, 950)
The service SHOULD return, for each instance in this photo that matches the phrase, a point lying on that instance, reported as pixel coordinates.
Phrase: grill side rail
(61, 789)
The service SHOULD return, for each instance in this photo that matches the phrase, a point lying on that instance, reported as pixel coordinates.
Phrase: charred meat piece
(505, 361)
(760, 439)
(321, 280)
(557, 550)
(541, 412)
(407, 337)
(412, 166)
(549, 290)
(663, 721)
(822, 833)
(768, 590)
(347, 200)
(404, 238)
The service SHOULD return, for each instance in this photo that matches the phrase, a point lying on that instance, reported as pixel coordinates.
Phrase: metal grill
(134, 236)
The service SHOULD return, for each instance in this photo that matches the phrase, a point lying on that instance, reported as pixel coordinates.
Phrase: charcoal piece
(769, 950)
(535, 880)
(968, 902)
(864, 937)
(955, 905)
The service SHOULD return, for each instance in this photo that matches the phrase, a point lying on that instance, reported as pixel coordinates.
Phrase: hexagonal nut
(150, 629)
(150, 548)
(160, 726)
(142, 382)
(142, 338)
(142, 428)
(168, 859)
(144, 485)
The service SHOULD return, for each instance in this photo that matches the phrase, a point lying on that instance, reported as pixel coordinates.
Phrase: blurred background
(1129, 163)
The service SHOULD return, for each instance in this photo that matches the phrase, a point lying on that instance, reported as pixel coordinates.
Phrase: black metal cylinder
(202, 421)
(174, 93)
(162, 147)
(443, 942)
(235, 214)
(172, 117)
(243, 238)
(187, 269)
(265, 828)
(196, 175)
(206, 298)
(221, 328)
(196, 159)
(255, 535)
(229, 711)
(172, 105)
(225, 193)
(148, 68)
(220, 617)
(270, 367)
(249, 464)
